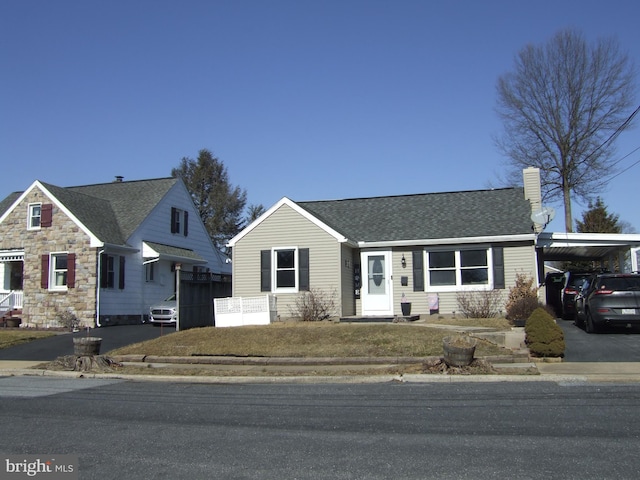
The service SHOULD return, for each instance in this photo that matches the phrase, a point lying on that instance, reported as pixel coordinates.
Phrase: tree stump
(86, 363)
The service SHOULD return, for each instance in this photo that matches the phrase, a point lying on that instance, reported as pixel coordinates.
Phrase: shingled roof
(475, 213)
(111, 211)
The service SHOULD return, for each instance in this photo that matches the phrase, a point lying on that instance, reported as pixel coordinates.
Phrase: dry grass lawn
(10, 338)
(308, 339)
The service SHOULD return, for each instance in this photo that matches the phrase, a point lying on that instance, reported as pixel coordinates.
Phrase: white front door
(376, 291)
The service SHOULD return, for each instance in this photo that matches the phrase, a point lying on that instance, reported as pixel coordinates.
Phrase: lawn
(10, 338)
(305, 339)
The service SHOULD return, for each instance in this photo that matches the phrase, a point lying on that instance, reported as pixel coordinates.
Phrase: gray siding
(287, 228)
(517, 259)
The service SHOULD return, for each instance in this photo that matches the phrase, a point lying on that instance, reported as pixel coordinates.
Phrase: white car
(165, 312)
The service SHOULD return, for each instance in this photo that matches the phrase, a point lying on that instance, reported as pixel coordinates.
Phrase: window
(459, 269)
(149, 272)
(35, 215)
(111, 268)
(58, 271)
(284, 270)
(179, 221)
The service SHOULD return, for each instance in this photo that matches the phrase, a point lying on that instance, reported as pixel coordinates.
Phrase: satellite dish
(543, 216)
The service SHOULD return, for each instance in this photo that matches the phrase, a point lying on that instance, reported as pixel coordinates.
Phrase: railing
(12, 300)
(238, 311)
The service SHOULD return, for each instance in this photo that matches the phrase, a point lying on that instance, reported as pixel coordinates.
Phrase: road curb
(337, 379)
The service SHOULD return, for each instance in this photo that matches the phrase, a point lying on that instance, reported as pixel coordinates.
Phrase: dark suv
(570, 287)
(609, 299)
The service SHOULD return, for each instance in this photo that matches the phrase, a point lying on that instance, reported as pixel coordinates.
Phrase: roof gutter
(529, 237)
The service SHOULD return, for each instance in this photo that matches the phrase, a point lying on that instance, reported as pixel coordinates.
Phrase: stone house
(104, 252)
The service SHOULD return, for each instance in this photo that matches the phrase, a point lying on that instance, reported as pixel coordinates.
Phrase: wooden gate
(195, 297)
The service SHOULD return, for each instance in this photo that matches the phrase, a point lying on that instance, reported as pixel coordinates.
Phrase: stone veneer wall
(40, 305)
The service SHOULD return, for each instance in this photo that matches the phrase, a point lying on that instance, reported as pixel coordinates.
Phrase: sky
(308, 99)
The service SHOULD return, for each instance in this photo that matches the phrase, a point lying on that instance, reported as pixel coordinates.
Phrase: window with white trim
(35, 216)
(58, 271)
(285, 271)
(179, 221)
(449, 270)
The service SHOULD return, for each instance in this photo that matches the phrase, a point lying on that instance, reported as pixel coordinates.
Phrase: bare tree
(562, 107)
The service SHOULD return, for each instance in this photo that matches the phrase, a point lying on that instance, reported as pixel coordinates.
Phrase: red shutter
(71, 270)
(46, 215)
(44, 271)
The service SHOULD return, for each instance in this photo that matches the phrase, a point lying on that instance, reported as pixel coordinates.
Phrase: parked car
(571, 285)
(164, 312)
(609, 299)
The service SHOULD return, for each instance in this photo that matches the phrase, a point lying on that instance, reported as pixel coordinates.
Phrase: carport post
(178, 268)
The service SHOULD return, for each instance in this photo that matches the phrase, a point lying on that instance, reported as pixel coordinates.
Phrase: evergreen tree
(598, 220)
(219, 203)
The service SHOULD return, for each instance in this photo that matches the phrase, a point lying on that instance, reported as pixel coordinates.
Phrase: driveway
(48, 349)
(612, 346)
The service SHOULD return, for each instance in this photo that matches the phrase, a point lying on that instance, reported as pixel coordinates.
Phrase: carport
(604, 248)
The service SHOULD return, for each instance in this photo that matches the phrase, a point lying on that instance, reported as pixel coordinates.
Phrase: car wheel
(590, 327)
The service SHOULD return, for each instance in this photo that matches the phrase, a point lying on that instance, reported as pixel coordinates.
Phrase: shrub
(484, 304)
(314, 305)
(522, 299)
(67, 319)
(543, 336)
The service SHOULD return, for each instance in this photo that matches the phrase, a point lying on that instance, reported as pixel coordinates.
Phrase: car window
(621, 283)
(577, 280)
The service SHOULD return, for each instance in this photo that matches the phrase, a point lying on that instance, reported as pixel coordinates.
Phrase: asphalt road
(132, 430)
(48, 349)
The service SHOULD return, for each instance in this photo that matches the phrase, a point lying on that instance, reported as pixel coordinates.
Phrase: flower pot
(406, 309)
(13, 322)
(458, 351)
(83, 346)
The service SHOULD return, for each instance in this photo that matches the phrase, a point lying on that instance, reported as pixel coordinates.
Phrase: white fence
(238, 311)
(11, 300)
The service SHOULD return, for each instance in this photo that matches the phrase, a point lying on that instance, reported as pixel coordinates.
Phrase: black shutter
(104, 273)
(186, 223)
(265, 270)
(418, 271)
(121, 274)
(303, 269)
(173, 220)
(498, 267)
(71, 270)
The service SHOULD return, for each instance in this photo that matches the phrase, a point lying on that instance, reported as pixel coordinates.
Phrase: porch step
(11, 313)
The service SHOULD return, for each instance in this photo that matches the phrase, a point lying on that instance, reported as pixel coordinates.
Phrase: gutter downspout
(98, 276)
(144, 286)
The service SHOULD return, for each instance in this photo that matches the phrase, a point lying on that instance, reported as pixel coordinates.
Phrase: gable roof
(131, 201)
(448, 215)
(111, 211)
(474, 215)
